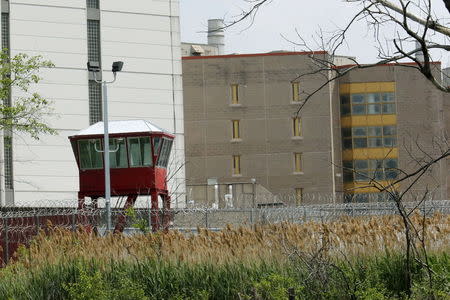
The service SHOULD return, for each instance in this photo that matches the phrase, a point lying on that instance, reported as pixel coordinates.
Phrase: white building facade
(144, 34)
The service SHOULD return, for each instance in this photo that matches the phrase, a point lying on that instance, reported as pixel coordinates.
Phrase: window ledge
(235, 105)
(235, 141)
(297, 138)
(298, 173)
(236, 175)
(297, 102)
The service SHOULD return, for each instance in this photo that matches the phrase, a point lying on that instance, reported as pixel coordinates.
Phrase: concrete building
(144, 35)
(241, 123)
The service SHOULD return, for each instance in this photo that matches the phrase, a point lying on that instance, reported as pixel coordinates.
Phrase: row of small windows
(129, 152)
(369, 137)
(236, 128)
(235, 93)
(368, 104)
(372, 169)
(236, 164)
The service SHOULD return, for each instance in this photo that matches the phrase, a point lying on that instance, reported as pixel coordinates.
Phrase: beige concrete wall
(265, 113)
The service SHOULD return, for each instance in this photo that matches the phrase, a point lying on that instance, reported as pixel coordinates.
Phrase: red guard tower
(139, 154)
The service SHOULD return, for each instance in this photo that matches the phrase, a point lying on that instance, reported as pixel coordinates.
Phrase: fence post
(74, 221)
(251, 215)
(6, 248)
(291, 294)
(38, 225)
(206, 218)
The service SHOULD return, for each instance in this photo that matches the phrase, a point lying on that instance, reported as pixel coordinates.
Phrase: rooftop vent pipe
(216, 36)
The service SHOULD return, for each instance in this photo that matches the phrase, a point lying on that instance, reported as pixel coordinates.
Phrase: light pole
(95, 68)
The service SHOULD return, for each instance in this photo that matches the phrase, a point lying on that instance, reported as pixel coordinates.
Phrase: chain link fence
(19, 225)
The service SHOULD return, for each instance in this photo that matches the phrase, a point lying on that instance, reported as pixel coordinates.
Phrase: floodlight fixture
(93, 66)
(117, 66)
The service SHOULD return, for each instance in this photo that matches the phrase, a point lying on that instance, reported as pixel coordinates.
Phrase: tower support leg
(122, 218)
(81, 204)
(166, 212)
(154, 212)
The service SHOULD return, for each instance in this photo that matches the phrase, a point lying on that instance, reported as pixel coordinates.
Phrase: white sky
(283, 17)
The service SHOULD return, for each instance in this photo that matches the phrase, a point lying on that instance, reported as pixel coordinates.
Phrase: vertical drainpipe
(175, 143)
(333, 175)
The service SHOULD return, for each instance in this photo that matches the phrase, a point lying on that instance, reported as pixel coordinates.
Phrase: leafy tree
(28, 111)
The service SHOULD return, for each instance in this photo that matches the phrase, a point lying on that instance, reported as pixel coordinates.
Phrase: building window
(234, 94)
(297, 126)
(94, 53)
(95, 102)
(164, 154)
(90, 154)
(236, 164)
(368, 104)
(236, 129)
(372, 169)
(295, 92)
(140, 151)
(299, 196)
(369, 137)
(93, 4)
(297, 162)
(118, 156)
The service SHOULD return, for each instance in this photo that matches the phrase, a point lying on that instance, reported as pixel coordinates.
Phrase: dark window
(357, 98)
(358, 109)
(118, 155)
(388, 108)
(90, 154)
(140, 151)
(359, 131)
(360, 143)
(164, 155)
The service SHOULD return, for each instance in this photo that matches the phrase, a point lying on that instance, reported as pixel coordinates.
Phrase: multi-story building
(144, 35)
(245, 118)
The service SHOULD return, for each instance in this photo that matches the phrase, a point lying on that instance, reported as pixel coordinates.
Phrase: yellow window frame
(297, 162)
(295, 91)
(236, 129)
(297, 126)
(234, 93)
(236, 164)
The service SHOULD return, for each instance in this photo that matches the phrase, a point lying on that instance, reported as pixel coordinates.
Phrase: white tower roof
(117, 127)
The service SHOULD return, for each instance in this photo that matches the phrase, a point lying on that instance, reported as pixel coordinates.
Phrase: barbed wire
(18, 225)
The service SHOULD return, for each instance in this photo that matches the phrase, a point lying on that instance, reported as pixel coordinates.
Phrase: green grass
(364, 278)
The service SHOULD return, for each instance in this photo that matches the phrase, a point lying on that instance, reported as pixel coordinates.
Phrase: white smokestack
(216, 36)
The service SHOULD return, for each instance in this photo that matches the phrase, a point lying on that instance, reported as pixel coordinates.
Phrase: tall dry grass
(268, 243)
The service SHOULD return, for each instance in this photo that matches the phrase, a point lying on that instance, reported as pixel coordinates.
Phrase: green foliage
(368, 278)
(138, 223)
(27, 113)
(276, 286)
(87, 287)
